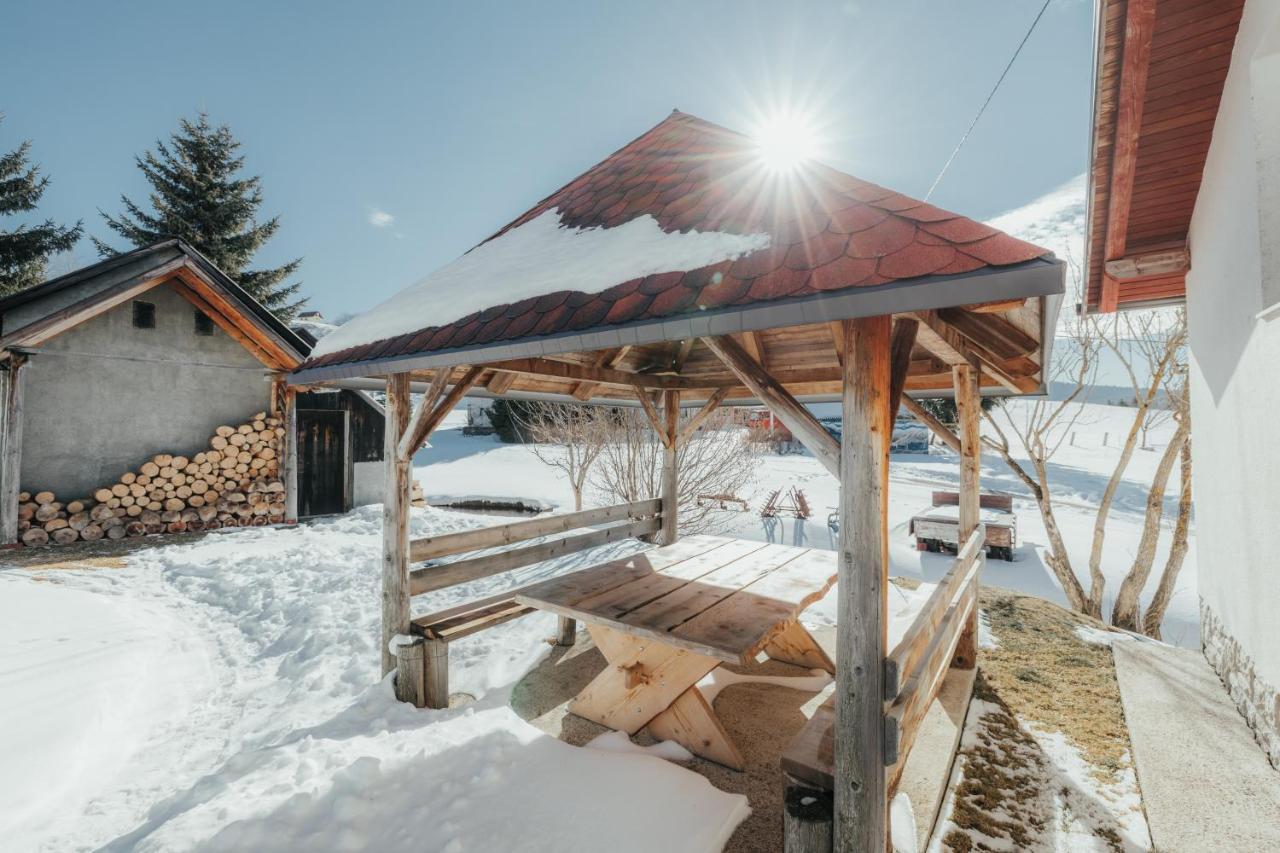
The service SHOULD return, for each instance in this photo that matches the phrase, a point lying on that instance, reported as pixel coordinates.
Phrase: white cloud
(380, 218)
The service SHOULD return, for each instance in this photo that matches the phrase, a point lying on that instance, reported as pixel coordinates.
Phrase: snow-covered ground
(223, 694)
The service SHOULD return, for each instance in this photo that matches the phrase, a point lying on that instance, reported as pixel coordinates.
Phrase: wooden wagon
(938, 528)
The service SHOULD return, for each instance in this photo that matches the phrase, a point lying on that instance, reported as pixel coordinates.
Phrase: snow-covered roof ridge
(535, 258)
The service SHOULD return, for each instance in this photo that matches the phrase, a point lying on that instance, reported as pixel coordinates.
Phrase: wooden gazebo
(748, 286)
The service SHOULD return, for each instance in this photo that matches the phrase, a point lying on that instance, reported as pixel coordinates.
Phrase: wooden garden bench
(422, 664)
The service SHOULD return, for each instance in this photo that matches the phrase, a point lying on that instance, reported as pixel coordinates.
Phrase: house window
(204, 325)
(144, 315)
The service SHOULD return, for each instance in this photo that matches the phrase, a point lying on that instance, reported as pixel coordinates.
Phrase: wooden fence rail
(637, 519)
(915, 669)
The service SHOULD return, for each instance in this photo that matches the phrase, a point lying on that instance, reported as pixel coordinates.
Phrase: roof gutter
(1038, 277)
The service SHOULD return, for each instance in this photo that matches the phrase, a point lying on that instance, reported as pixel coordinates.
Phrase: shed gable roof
(79, 296)
(826, 232)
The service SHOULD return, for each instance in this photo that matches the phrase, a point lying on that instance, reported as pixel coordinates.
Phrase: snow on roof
(535, 258)
(683, 219)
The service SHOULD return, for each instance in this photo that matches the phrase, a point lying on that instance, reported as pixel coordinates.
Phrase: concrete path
(1206, 784)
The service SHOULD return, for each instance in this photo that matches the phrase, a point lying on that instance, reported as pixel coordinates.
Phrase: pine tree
(25, 251)
(198, 196)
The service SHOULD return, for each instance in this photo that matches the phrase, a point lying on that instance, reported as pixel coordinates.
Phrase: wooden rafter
(901, 344)
(600, 375)
(609, 358)
(954, 348)
(414, 433)
(422, 429)
(803, 425)
(501, 382)
(691, 426)
(939, 428)
(1149, 264)
(1140, 17)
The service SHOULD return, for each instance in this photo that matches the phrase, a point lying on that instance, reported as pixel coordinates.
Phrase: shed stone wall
(104, 396)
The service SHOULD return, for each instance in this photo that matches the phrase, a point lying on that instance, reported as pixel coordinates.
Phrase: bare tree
(569, 437)
(1041, 431)
(1124, 613)
(718, 459)
(1149, 345)
(1154, 616)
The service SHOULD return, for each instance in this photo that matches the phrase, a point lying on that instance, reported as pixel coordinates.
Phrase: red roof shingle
(829, 231)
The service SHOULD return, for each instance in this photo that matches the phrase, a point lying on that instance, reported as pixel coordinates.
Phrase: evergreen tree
(198, 196)
(944, 408)
(25, 250)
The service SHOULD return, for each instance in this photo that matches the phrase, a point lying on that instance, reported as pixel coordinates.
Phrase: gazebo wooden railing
(422, 659)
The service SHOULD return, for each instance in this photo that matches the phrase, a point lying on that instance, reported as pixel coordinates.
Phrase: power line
(992, 94)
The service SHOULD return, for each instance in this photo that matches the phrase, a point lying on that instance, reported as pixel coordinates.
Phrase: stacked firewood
(235, 483)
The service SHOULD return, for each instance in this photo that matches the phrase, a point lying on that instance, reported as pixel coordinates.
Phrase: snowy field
(223, 694)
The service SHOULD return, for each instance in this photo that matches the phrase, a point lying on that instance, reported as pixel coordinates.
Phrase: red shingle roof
(829, 231)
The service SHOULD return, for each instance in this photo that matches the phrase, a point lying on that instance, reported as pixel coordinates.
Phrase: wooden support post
(11, 448)
(410, 672)
(806, 826)
(436, 673)
(289, 454)
(861, 808)
(968, 411)
(395, 519)
(670, 468)
(566, 631)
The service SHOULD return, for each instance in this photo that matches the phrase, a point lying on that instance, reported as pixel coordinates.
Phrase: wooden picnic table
(666, 617)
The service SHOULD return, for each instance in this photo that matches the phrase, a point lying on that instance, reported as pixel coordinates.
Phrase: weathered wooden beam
(445, 406)
(11, 447)
(655, 417)
(289, 456)
(1149, 264)
(1140, 17)
(395, 519)
(501, 382)
(430, 578)
(939, 428)
(803, 425)
(990, 331)
(447, 544)
(414, 435)
(968, 412)
(670, 468)
(601, 375)
(837, 339)
(953, 347)
(606, 358)
(998, 307)
(229, 326)
(861, 802)
(691, 426)
(682, 354)
(900, 347)
(566, 631)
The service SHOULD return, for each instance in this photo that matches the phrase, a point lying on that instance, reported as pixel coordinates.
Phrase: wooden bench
(422, 662)
(940, 637)
(939, 529)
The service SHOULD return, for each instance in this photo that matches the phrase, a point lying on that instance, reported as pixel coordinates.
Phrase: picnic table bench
(666, 617)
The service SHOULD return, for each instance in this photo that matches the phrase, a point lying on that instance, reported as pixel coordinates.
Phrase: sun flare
(785, 140)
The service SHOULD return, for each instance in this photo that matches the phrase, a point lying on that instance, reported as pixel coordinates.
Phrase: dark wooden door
(324, 462)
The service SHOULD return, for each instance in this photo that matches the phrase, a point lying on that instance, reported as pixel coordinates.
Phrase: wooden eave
(803, 358)
(1160, 69)
(193, 283)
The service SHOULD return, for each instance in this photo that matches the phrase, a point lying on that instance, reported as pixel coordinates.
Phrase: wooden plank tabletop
(712, 595)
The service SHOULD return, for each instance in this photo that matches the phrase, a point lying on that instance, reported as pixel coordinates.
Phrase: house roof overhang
(90, 291)
(1160, 66)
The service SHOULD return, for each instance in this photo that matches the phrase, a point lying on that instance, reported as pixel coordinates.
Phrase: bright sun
(785, 140)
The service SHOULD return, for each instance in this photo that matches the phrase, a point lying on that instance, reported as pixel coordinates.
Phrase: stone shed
(144, 354)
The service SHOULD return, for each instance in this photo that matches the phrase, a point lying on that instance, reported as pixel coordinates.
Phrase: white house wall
(104, 396)
(1235, 382)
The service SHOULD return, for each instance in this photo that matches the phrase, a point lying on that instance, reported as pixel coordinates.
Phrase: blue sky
(452, 119)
